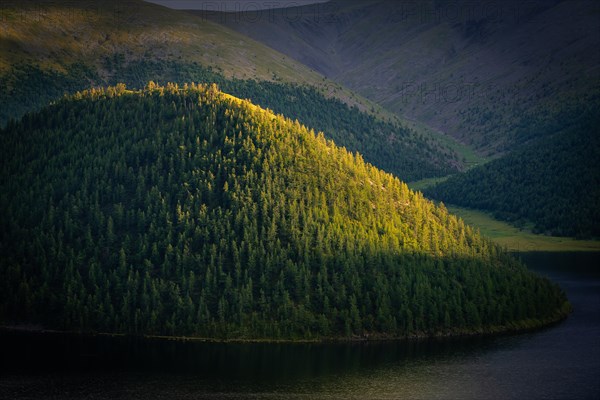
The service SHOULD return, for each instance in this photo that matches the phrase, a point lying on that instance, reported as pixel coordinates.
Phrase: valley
(485, 73)
(521, 239)
(512, 81)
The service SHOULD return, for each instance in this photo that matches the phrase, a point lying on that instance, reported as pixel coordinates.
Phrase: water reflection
(559, 362)
(59, 352)
(141, 367)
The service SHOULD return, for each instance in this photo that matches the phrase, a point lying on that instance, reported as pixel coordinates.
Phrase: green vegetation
(467, 156)
(29, 88)
(513, 127)
(54, 35)
(520, 239)
(423, 184)
(388, 145)
(186, 211)
(58, 47)
(553, 183)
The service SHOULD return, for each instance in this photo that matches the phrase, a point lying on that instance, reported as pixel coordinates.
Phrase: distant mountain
(62, 47)
(187, 211)
(57, 34)
(491, 74)
(58, 46)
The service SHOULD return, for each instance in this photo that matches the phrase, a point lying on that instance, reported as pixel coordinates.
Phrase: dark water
(560, 362)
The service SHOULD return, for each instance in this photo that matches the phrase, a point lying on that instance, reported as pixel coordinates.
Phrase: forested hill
(186, 211)
(388, 144)
(553, 183)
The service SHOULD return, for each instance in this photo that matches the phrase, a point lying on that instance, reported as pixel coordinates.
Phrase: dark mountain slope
(492, 74)
(554, 183)
(191, 212)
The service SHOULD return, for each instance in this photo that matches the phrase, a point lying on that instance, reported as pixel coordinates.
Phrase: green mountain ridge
(187, 211)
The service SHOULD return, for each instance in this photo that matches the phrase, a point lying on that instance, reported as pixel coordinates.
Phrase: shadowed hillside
(554, 183)
(492, 74)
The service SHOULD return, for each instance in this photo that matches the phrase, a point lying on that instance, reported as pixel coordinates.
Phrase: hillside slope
(57, 34)
(61, 47)
(553, 183)
(186, 211)
(491, 74)
(49, 48)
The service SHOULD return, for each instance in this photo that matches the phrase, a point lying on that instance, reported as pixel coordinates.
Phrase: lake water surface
(559, 362)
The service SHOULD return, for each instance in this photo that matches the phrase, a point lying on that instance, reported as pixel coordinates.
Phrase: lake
(558, 362)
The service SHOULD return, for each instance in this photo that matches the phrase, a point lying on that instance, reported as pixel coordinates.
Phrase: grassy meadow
(516, 239)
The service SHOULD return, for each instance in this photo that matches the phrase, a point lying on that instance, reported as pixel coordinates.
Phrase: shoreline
(520, 240)
(518, 327)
